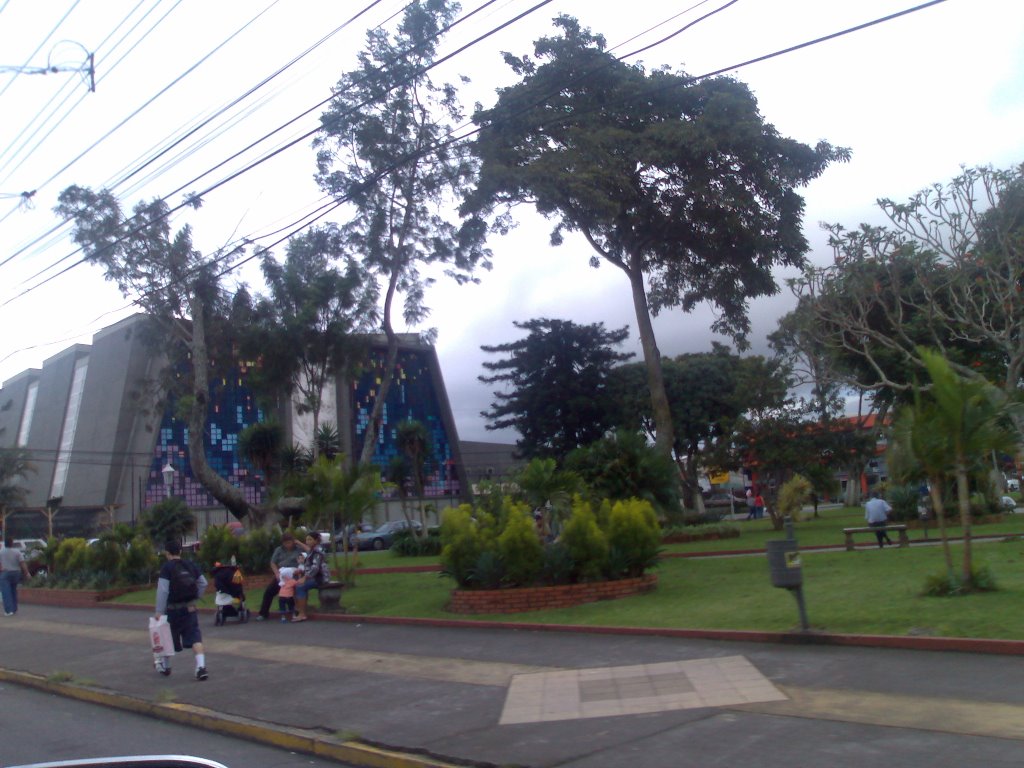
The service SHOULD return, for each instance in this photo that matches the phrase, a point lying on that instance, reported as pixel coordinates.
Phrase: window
(67, 435)
(26, 414)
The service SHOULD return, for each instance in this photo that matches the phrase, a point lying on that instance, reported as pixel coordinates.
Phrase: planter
(520, 599)
(70, 598)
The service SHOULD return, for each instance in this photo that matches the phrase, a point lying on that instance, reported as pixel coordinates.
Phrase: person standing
(285, 556)
(178, 587)
(12, 567)
(750, 503)
(876, 512)
(758, 506)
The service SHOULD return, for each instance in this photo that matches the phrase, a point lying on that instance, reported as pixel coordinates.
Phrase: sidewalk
(503, 697)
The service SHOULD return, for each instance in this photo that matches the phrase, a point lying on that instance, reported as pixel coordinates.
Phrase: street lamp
(168, 472)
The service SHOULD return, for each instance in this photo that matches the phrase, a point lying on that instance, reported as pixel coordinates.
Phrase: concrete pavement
(505, 697)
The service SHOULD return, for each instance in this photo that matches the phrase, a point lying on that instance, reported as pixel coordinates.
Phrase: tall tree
(681, 184)
(14, 468)
(556, 395)
(310, 328)
(179, 288)
(413, 439)
(383, 149)
(945, 273)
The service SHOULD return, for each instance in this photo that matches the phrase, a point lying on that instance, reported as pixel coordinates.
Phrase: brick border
(522, 599)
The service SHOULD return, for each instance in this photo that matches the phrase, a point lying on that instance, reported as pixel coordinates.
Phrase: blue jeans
(9, 581)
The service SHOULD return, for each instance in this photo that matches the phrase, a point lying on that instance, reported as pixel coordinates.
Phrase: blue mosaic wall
(411, 396)
(232, 408)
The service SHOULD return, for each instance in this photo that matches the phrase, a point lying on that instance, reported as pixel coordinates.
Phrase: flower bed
(520, 599)
(69, 598)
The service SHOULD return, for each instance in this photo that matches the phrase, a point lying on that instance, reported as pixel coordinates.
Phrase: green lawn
(828, 530)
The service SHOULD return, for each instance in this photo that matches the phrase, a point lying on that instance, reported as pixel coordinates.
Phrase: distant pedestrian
(750, 504)
(758, 506)
(12, 567)
(178, 587)
(876, 512)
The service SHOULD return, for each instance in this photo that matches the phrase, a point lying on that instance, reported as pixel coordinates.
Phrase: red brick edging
(520, 599)
(69, 598)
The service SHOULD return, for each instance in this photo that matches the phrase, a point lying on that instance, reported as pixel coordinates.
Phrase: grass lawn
(828, 529)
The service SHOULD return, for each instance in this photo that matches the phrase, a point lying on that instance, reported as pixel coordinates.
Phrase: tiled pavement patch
(642, 688)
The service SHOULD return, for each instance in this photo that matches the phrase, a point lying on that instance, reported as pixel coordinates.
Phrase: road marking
(442, 669)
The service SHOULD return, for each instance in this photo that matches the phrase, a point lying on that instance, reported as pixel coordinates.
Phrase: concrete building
(99, 428)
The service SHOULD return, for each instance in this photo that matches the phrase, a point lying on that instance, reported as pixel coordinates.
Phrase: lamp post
(168, 472)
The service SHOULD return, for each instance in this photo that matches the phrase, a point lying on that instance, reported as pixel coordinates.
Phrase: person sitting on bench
(876, 512)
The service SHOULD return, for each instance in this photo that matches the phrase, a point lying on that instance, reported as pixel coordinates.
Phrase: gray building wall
(12, 406)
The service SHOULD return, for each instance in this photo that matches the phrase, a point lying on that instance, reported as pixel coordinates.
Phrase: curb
(281, 737)
(991, 646)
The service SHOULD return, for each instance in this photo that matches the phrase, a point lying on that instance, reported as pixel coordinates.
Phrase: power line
(280, 149)
(40, 46)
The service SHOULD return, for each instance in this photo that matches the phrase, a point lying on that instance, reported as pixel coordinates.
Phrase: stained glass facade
(413, 395)
(232, 408)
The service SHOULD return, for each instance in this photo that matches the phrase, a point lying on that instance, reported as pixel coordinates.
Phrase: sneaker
(8, 613)
(284, 619)
(260, 617)
(201, 673)
(163, 667)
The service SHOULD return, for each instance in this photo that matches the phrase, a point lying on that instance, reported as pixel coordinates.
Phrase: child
(289, 578)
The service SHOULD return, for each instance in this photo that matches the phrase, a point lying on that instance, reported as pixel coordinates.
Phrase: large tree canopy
(946, 273)
(679, 183)
(179, 288)
(384, 148)
(556, 378)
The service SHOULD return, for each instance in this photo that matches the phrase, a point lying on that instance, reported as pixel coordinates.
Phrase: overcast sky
(913, 98)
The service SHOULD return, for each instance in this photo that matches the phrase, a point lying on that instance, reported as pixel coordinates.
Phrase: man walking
(876, 512)
(179, 586)
(12, 567)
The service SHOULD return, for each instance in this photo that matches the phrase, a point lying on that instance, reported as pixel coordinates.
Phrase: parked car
(349, 532)
(382, 537)
(32, 551)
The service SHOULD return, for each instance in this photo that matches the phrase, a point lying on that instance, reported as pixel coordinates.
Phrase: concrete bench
(900, 529)
(330, 596)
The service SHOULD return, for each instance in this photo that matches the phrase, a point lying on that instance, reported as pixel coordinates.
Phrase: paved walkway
(507, 697)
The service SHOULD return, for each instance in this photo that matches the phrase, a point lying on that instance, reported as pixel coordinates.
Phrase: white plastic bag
(160, 637)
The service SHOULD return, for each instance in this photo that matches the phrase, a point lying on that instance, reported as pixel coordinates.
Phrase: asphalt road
(40, 727)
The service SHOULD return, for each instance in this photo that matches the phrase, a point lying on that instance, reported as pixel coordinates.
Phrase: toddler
(289, 577)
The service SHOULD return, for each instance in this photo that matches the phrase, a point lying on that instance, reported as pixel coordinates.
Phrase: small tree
(167, 520)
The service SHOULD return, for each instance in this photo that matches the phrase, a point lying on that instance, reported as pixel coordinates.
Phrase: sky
(914, 99)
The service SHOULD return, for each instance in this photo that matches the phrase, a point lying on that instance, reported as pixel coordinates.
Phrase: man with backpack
(178, 587)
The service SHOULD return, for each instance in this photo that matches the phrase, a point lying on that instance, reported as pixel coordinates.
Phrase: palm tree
(413, 440)
(14, 467)
(547, 488)
(973, 418)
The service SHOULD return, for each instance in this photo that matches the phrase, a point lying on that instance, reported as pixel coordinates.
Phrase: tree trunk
(964, 500)
(219, 488)
(664, 432)
(935, 489)
(370, 438)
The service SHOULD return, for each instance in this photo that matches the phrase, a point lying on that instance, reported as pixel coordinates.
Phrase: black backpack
(184, 587)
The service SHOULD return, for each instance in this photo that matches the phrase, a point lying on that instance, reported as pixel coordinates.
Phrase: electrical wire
(40, 47)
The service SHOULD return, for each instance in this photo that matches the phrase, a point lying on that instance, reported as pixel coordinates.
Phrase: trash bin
(784, 564)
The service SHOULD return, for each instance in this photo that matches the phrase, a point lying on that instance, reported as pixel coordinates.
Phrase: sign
(720, 479)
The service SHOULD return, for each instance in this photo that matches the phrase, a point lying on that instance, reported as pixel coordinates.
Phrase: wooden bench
(330, 596)
(900, 529)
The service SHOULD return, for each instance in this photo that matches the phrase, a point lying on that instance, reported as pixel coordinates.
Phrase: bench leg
(904, 539)
(849, 542)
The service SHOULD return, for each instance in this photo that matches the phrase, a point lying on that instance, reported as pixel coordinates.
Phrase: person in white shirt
(876, 512)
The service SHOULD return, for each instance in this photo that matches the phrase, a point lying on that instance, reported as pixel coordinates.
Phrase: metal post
(798, 593)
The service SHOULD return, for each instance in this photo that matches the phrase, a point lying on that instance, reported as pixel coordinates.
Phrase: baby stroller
(230, 597)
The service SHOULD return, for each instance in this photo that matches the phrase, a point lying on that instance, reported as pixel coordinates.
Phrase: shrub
(904, 500)
(944, 585)
(585, 542)
(520, 548)
(168, 519)
(556, 565)
(488, 571)
(793, 494)
(635, 536)
(698, 532)
(405, 544)
(462, 543)
(70, 556)
(255, 549)
(218, 545)
(141, 562)
(106, 556)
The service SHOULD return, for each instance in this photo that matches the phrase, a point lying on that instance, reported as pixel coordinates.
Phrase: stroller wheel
(244, 615)
(219, 619)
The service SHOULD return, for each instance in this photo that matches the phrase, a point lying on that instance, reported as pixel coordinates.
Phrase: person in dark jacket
(178, 587)
(316, 575)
